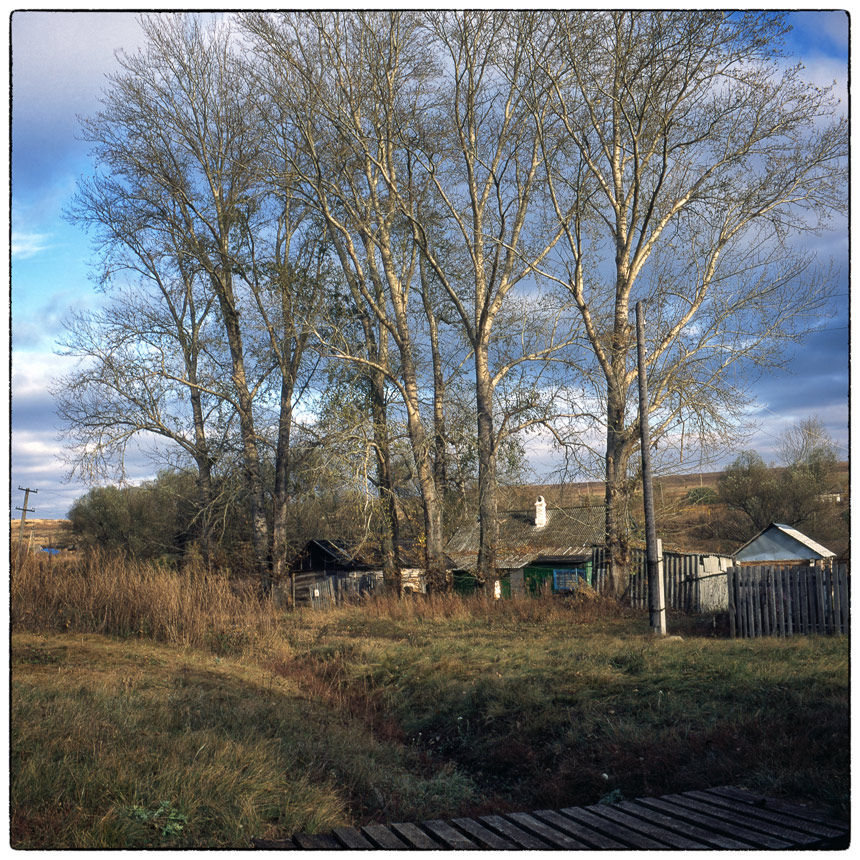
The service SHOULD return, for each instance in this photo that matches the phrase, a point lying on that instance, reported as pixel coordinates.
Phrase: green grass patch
(559, 713)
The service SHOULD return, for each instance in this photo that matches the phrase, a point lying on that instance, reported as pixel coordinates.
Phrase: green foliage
(163, 817)
(148, 521)
(791, 494)
(750, 486)
(160, 520)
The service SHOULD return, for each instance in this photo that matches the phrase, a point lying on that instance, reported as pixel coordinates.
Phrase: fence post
(822, 599)
(741, 602)
(844, 604)
(799, 600)
(757, 606)
(831, 600)
(837, 602)
(730, 573)
(803, 600)
(765, 601)
(771, 590)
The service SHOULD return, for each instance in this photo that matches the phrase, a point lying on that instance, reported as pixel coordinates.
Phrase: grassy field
(152, 709)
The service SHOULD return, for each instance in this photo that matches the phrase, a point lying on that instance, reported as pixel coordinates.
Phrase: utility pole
(26, 491)
(656, 593)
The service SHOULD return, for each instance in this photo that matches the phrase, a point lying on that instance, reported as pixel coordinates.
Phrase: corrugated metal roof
(774, 544)
(568, 532)
(337, 550)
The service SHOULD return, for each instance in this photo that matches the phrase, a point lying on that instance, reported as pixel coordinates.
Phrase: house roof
(337, 550)
(781, 542)
(568, 532)
(349, 555)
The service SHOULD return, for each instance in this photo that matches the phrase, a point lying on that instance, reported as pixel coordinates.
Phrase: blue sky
(59, 60)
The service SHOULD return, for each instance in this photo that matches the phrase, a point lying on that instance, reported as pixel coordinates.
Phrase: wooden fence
(682, 578)
(784, 601)
(321, 594)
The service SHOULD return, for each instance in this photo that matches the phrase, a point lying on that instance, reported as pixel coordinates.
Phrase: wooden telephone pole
(656, 592)
(26, 491)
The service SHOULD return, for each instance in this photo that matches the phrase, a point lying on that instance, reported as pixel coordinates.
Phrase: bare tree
(688, 162)
(179, 135)
(477, 143)
(144, 359)
(337, 76)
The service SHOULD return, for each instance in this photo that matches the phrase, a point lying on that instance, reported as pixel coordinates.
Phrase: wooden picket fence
(785, 601)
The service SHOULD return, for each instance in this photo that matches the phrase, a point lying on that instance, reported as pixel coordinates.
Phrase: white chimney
(540, 512)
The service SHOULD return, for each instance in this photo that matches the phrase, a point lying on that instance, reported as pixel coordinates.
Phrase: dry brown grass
(393, 709)
(100, 593)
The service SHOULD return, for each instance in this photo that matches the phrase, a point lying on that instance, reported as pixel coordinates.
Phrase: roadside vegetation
(153, 708)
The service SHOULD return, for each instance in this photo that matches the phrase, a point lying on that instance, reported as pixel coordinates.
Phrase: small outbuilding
(781, 544)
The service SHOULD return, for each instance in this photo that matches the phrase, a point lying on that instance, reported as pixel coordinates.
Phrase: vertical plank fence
(321, 593)
(682, 574)
(770, 600)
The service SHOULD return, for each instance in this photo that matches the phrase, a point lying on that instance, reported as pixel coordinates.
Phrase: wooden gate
(769, 600)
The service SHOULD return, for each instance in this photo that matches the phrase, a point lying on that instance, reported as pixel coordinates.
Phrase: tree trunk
(440, 450)
(617, 495)
(390, 538)
(202, 530)
(487, 500)
(250, 454)
(280, 503)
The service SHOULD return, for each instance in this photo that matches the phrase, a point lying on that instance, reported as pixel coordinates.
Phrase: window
(567, 579)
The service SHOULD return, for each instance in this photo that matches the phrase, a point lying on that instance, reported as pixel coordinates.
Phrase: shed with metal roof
(782, 544)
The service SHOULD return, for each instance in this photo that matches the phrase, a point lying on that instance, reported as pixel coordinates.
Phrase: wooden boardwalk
(718, 818)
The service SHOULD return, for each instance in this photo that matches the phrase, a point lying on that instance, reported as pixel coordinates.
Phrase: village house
(538, 549)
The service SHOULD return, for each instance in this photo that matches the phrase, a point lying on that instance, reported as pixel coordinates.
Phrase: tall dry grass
(586, 606)
(102, 593)
(194, 607)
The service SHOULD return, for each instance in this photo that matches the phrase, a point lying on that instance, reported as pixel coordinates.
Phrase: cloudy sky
(59, 60)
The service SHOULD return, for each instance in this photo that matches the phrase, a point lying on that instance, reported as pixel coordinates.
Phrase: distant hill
(568, 493)
(682, 523)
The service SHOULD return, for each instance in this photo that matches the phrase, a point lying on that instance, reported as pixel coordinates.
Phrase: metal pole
(656, 596)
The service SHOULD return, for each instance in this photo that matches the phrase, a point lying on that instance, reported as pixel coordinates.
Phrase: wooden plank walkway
(724, 818)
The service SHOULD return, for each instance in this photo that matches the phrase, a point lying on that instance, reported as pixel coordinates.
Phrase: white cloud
(33, 372)
(34, 445)
(60, 58)
(828, 72)
(26, 245)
